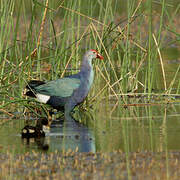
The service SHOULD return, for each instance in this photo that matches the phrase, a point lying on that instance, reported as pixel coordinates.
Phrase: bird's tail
(31, 87)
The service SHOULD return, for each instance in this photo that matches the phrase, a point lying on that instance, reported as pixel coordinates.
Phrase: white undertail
(42, 98)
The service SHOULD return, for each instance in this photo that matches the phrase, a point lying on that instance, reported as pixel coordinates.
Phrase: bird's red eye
(94, 51)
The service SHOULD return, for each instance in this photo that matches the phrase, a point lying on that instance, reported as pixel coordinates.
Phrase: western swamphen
(66, 93)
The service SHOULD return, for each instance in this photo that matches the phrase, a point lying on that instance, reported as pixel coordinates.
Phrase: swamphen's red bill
(67, 92)
(99, 56)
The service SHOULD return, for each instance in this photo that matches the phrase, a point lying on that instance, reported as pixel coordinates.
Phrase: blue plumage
(67, 92)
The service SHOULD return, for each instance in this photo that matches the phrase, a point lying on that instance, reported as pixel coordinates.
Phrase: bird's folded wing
(62, 87)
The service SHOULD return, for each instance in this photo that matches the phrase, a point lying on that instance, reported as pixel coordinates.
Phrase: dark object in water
(32, 132)
(38, 141)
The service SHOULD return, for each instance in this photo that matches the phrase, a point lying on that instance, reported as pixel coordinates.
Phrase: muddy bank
(74, 165)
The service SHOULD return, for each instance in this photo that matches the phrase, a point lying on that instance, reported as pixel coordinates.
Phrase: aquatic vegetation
(133, 106)
(43, 44)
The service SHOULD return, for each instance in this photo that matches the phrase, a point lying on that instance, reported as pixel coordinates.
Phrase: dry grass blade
(99, 93)
(114, 107)
(83, 15)
(137, 70)
(74, 50)
(147, 94)
(94, 28)
(138, 6)
(121, 31)
(108, 83)
(140, 64)
(173, 81)
(42, 24)
(4, 111)
(116, 104)
(34, 52)
(161, 61)
(124, 36)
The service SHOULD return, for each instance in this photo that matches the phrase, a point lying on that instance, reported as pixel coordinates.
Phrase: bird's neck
(86, 64)
(87, 72)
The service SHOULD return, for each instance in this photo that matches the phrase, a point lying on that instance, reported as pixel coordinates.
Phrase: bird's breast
(91, 78)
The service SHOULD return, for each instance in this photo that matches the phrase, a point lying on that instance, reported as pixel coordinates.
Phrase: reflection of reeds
(45, 46)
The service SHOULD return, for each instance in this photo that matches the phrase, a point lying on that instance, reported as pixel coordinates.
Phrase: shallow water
(152, 128)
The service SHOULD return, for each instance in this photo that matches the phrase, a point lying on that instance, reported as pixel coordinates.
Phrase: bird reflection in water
(66, 133)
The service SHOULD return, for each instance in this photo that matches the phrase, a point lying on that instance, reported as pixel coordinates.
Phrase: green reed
(69, 29)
